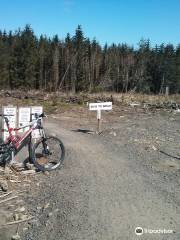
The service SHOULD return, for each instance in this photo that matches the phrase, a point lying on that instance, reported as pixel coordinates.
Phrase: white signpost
(99, 107)
(24, 118)
(38, 110)
(8, 110)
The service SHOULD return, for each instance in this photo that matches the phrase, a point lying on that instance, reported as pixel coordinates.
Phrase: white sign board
(100, 106)
(24, 118)
(12, 120)
(38, 110)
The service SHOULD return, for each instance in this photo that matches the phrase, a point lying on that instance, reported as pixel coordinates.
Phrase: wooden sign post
(99, 107)
(99, 120)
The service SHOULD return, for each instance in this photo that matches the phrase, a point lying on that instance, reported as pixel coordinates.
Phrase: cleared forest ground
(126, 177)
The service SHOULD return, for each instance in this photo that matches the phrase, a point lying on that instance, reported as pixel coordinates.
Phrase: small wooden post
(167, 91)
(99, 120)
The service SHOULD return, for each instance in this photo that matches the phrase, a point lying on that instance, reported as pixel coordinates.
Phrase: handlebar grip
(42, 115)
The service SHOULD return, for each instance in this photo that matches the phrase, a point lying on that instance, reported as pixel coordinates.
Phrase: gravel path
(105, 190)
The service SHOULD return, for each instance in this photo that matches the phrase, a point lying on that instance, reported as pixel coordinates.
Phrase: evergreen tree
(79, 64)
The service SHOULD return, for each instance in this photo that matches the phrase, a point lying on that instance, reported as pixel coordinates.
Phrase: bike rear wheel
(48, 154)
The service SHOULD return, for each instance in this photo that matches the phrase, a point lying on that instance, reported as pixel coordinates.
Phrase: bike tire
(6, 156)
(45, 151)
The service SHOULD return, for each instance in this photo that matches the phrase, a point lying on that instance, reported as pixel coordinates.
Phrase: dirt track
(110, 183)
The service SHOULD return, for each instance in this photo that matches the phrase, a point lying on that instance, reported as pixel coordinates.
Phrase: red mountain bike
(47, 154)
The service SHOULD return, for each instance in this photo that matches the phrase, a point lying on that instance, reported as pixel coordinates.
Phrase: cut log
(16, 222)
(8, 199)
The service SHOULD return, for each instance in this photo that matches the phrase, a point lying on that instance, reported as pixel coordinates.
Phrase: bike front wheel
(48, 154)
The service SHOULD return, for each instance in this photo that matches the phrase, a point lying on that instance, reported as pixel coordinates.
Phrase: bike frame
(17, 141)
(21, 139)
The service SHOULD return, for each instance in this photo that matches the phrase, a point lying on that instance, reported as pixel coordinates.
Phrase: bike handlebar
(36, 115)
(6, 115)
(42, 115)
